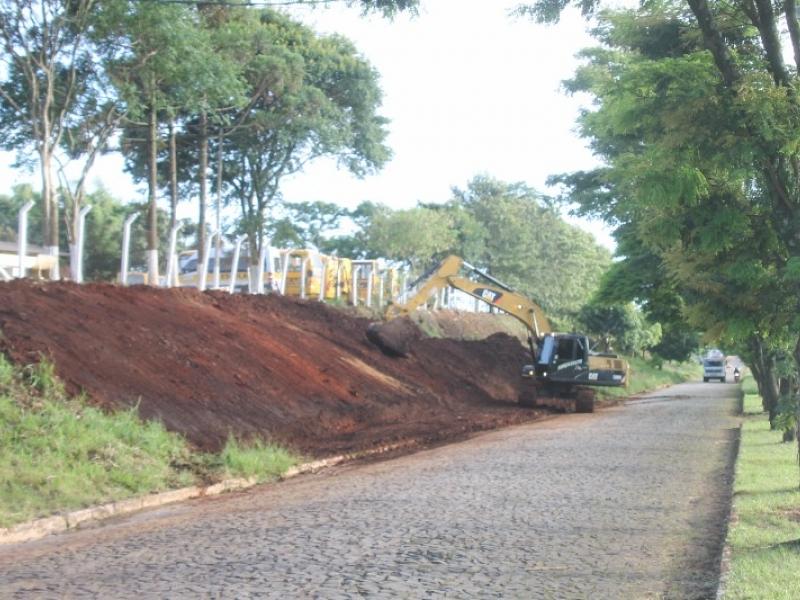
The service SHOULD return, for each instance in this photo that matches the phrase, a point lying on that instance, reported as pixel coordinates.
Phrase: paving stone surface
(626, 503)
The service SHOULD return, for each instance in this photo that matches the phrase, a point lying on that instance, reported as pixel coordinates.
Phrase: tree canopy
(696, 119)
(75, 71)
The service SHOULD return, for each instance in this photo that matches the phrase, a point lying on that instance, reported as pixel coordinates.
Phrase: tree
(419, 237)
(10, 206)
(355, 244)
(697, 118)
(519, 237)
(173, 70)
(52, 92)
(307, 224)
(317, 97)
(642, 278)
(619, 326)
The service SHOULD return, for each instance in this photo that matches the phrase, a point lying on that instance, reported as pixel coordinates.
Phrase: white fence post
(339, 279)
(404, 290)
(22, 237)
(380, 290)
(370, 273)
(303, 268)
(269, 261)
(204, 273)
(285, 272)
(217, 260)
(354, 287)
(172, 259)
(235, 264)
(322, 281)
(79, 238)
(126, 248)
(262, 256)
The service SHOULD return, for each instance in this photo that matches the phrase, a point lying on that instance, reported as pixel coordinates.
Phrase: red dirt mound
(298, 372)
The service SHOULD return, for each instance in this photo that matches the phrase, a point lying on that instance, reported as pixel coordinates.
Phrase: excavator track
(565, 399)
(584, 400)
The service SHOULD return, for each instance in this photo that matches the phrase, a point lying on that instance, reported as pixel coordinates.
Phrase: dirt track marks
(626, 503)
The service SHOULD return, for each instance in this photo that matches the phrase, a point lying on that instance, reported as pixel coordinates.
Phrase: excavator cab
(560, 357)
(565, 358)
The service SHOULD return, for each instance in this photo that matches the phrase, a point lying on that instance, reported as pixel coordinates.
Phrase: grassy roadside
(646, 376)
(764, 535)
(58, 453)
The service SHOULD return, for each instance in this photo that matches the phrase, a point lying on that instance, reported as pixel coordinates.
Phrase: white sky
(468, 89)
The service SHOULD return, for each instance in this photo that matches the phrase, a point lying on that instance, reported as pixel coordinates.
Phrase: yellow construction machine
(562, 363)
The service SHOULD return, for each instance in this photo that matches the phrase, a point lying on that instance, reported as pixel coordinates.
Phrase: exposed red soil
(298, 372)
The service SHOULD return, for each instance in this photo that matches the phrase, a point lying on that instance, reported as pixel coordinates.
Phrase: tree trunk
(50, 206)
(202, 173)
(771, 393)
(771, 43)
(218, 241)
(72, 236)
(252, 269)
(152, 205)
(173, 174)
(49, 200)
(797, 402)
(763, 368)
(714, 41)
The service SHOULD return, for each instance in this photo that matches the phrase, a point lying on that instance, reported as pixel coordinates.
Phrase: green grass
(256, 459)
(59, 453)
(764, 535)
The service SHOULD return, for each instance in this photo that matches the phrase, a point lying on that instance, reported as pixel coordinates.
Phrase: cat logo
(489, 296)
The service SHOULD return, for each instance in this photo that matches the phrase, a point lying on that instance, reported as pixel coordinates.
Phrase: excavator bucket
(395, 337)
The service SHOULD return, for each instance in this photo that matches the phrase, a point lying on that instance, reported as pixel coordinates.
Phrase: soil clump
(395, 337)
(209, 365)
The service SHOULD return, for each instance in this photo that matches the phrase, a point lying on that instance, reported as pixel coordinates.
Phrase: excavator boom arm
(431, 282)
(508, 301)
(494, 293)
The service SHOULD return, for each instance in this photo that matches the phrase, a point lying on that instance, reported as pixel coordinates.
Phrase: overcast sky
(468, 89)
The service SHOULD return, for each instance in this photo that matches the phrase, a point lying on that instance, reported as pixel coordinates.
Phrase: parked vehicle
(714, 368)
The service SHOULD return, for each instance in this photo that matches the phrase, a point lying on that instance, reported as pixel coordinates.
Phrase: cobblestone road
(626, 503)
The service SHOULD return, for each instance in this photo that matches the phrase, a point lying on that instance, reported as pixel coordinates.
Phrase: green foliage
(696, 149)
(787, 412)
(104, 224)
(619, 326)
(506, 229)
(310, 96)
(9, 209)
(255, 459)
(59, 453)
(678, 342)
(521, 240)
(418, 236)
(307, 224)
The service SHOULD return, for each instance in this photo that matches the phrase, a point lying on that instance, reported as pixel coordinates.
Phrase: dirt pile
(395, 338)
(299, 372)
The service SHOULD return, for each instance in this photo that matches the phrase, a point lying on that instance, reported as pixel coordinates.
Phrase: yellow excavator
(562, 363)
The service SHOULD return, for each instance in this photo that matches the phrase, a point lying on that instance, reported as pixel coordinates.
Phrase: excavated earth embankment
(298, 372)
